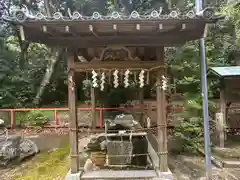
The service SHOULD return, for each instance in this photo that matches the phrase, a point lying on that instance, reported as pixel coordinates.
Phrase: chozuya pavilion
(110, 46)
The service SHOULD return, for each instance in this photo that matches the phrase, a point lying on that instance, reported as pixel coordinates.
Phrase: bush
(35, 118)
(190, 130)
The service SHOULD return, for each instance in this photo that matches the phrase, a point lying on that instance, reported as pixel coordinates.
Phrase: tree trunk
(47, 8)
(48, 75)
(51, 67)
(24, 47)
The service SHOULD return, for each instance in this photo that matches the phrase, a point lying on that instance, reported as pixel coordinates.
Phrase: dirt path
(191, 167)
(15, 170)
(185, 167)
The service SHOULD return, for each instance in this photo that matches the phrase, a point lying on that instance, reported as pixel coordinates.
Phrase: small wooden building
(109, 45)
(228, 116)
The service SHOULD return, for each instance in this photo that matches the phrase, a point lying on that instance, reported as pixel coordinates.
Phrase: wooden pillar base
(161, 115)
(220, 129)
(221, 119)
(73, 134)
(162, 126)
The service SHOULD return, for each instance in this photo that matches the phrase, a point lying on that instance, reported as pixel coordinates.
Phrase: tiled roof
(226, 71)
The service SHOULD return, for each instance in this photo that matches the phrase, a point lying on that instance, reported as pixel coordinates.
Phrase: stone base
(71, 176)
(160, 176)
(165, 175)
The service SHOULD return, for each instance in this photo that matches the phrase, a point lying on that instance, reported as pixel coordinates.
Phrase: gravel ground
(184, 167)
(9, 173)
(191, 167)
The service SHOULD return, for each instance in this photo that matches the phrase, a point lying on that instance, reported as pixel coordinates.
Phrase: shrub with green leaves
(36, 118)
(190, 130)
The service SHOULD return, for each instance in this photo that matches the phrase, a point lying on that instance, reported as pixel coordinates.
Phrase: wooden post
(93, 104)
(56, 117)
(11, 119)
(220, 128)
(101, 118)
(161, 116)
(141, 104)
(222, 122)
(73, 134)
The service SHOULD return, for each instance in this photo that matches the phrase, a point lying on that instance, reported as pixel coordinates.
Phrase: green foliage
(19, 85)
(20, 118)
(190, 132)
(33, 118)
(191, 126)
(232, 13)
(184, 65)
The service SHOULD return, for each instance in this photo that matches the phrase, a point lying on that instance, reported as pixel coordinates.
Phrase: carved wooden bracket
(115, 53)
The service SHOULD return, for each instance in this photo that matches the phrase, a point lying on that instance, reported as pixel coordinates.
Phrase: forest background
(34, 75)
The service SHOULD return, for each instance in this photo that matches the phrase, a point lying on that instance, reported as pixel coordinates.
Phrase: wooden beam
(93, 103)
(147, 22)
(22, 34)
(167, 39)
(137, 42)
(177, 28)
(160, 56)
(161, 116)
(114, 40)
(141, 104)
(82, 67)
(52, 31)
(69, 30)
(48, 31)
(109, 27)
(126, 134)
(86, 30)
(73, 134)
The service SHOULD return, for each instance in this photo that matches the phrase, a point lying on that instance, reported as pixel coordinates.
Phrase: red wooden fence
(56, 110)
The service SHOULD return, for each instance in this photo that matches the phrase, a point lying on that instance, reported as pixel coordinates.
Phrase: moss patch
(47, 166)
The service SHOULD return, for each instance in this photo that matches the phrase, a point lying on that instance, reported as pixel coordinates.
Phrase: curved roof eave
(154, 29)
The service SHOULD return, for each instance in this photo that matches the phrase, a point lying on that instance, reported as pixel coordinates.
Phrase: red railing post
(56, 117)
(100, 118)
(11, 119)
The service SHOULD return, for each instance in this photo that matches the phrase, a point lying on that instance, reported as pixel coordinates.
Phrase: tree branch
(24, 47)
(47, 8)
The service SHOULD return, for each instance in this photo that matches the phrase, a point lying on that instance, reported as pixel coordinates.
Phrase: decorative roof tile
(22, 15)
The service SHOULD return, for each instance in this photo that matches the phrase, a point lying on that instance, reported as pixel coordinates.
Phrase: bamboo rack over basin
(126, 134)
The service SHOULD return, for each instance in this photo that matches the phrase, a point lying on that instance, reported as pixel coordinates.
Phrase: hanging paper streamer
(102, 81)
(115, 82)
(70, 79)
(164, 83)
(94, 79)
(148, 122)
(126, 77)
(141, 79)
